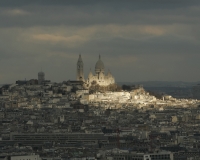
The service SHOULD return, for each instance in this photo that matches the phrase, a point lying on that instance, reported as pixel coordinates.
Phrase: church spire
(80, 74)
(79, 59)
(99, 56)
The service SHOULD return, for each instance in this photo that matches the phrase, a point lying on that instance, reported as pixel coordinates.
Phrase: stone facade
(80, 74)
(99, 76)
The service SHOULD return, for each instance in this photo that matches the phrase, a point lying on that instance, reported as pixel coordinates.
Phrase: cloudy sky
(138, 40)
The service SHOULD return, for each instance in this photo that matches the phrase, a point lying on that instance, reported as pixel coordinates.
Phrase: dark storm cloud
(138, 40)
(34, 13)
(146, 4)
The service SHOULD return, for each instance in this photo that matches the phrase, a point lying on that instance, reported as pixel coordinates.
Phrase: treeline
(126, 87)
(155, 94)
(112, 87)
(97, 88)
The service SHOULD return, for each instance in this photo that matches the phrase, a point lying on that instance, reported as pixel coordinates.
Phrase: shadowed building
(41, 77)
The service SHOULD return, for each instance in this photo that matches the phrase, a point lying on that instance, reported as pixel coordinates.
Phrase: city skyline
(138, 41)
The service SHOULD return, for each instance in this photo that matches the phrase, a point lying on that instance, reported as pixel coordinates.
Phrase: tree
(97, 88)
(126, 87)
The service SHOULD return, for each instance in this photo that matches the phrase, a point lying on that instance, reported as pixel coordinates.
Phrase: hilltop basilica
(99, 76)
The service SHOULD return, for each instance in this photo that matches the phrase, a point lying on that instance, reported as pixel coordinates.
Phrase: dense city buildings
(42, 120)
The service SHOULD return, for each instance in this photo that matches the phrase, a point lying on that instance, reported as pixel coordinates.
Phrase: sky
(138, 40)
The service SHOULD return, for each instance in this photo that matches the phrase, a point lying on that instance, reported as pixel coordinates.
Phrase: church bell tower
(80, 75)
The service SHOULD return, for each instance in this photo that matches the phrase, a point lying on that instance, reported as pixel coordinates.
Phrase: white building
(25, 157)
(124, 154)
(99, 77)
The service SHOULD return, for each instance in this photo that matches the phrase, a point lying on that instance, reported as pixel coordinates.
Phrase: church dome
(99, 67)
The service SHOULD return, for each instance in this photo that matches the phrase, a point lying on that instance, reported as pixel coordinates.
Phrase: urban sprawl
(94, 118)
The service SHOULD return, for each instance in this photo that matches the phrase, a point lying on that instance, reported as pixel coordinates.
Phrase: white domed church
(99, 76)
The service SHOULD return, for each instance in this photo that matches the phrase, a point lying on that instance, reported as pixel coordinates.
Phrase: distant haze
(161, 84)
(138, 40)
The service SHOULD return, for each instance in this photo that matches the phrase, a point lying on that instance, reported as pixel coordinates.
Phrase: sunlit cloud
(70, 40)
(14, 12)
(153, 30)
